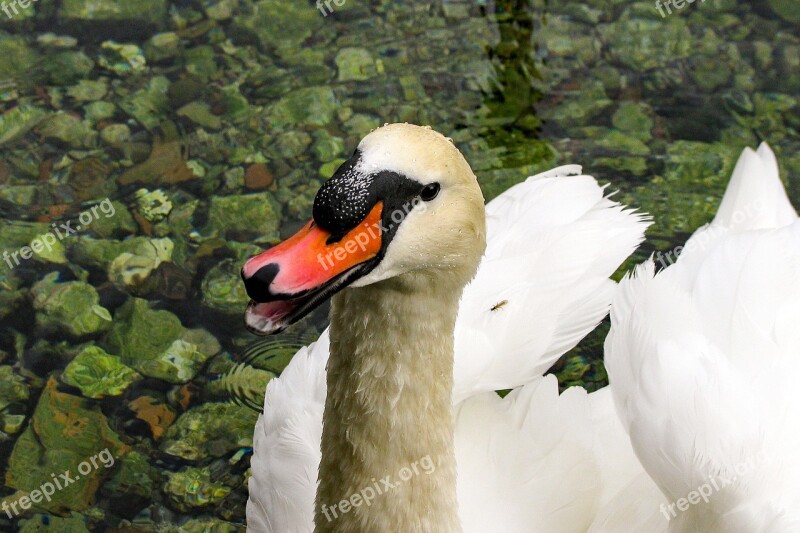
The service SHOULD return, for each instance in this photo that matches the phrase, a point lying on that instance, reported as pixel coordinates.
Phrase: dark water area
(148, 147)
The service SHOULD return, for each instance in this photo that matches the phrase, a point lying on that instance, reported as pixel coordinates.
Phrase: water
(182, 137)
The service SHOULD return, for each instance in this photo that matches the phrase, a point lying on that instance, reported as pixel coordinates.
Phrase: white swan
(703, 360)
(534, 461)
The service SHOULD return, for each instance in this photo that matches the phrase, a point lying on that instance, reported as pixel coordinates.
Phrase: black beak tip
(258, 285)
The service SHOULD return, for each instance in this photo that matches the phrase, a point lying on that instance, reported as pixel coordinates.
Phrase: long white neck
(388, 423)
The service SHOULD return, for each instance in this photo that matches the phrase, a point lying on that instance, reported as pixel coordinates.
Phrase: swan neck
(388, 421)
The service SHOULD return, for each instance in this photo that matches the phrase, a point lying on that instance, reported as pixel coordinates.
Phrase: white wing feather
(539, 462)
(552, 243)
(286, 446)
(703, 359)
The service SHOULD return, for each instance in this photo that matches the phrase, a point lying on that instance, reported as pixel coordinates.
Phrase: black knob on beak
(257, 285)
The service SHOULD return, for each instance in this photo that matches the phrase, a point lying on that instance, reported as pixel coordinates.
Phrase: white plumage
(534, 461)
(703, 359)
(552, 243)
(539, 462)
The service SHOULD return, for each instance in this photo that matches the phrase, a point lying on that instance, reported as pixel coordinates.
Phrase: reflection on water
(207, 127)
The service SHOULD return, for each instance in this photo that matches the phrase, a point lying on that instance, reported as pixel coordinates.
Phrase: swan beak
(289, 280)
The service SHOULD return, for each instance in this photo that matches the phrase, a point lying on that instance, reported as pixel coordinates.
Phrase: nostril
(257, 285)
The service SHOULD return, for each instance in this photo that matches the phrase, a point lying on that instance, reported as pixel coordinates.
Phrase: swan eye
(430, 191)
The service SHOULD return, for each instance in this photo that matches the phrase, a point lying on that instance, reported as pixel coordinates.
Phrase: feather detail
(702, 361)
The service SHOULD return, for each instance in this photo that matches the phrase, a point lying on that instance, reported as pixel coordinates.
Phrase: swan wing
(702, 359)
(552, 243)
(539, 461)
(637, 507)
(755, 197)
(286, 446)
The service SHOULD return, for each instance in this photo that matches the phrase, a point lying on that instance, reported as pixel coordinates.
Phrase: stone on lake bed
(359, 124)
(200, 114)
(193, 488)
(709, 73)
(68, 129)
(76, 523)
(258, 176)
(786, 9)
(88, 90)
(223, 289)
(97, 111)
(48, 249)
(121, 223)
(99, 253)
(69, 307)
(17, 56)
(115, 134)
(355, 64)
(156, 414)
(327, 147)
(204, 525)
(309, 106)
(301, 201)
(635, 165)
(210, 430)
(328, 169)
(644, 44)
(580, 106)
(51, 40)
(19, 120)
(618, 141)
(66, 68)
(181, 361)
(154, 206)
(290, 144)
(121, 58)
(125, 15)
(150, 104)
(134, 476)
(162, 46)
(185, 90)
(155, 343)
(11, 424)
(131, 269)
(633, 119)
(281, 23)
(245, 218)
(65, 431)
(222, 9)
(19, 194)
(98, 374)
(16, 234)
(13, 388)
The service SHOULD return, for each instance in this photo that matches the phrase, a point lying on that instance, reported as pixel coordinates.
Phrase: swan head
(405, 206)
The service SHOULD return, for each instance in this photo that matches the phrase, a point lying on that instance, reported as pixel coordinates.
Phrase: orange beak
(292, 278)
